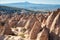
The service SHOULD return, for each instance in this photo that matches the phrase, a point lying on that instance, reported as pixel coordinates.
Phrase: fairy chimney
(35, 29)
(50, 19)
(43, 35)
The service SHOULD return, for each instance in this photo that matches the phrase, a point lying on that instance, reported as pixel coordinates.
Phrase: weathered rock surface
(43, 35)
(35, 29)
(30, 26)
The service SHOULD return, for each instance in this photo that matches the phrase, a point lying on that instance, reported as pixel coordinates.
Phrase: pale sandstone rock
(9, 37)
(54, 35)
(22, 22)
(40, 17)
(30, 23)
(27, 24)
(8, 30)
(2, 29)
(43, 35)
(12, 22)
(50, 19)
(55, 27)
(43, 24)
(36, 28)
(54, 22)
(18, 30)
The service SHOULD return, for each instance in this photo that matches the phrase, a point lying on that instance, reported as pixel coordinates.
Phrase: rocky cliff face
(31, 26)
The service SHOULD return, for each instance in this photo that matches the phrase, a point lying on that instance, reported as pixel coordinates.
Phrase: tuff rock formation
(30, 26)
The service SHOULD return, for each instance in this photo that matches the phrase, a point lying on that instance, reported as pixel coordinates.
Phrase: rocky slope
(31, 26)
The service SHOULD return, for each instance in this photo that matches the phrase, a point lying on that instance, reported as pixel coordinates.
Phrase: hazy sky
(32, 1)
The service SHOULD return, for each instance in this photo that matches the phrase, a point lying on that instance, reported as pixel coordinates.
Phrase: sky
(31, 1)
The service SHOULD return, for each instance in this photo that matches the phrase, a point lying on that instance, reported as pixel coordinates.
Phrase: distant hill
(31, 6)
(9, 10)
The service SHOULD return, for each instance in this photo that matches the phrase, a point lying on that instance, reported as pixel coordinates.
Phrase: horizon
(31, 1)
